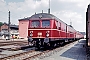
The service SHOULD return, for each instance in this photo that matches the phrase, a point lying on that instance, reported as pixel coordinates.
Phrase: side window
(65, 28)
(56, 22)
(59, 26)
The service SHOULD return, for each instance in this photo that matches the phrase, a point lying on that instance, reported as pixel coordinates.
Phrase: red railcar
(45, 28)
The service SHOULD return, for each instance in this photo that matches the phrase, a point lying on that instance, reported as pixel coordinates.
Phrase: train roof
(45, 16)
(42, 16)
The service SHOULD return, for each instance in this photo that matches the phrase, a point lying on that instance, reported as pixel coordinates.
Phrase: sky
(73, 11)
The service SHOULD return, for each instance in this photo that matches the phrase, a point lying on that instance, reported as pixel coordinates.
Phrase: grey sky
(66, 10)
(14, 1)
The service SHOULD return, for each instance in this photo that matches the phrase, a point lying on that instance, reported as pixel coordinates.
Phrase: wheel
(62, 43)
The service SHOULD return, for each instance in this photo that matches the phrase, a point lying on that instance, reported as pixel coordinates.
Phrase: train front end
(39, 31)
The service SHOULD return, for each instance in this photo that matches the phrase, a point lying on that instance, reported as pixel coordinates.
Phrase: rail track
(13, 43)
(17, 56)
(47, 52)
(13, 46)
(32, 54)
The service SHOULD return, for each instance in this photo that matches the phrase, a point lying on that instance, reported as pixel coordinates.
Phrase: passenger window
(59, 26)
(56, 22)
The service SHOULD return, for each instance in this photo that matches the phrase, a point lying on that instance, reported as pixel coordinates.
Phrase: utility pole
(9, 26)
(49, 8)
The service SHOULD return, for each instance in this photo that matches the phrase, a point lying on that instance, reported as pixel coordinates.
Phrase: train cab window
(35, 24)
(45, 23)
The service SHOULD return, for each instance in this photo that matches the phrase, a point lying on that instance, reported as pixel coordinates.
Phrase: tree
(1, 23)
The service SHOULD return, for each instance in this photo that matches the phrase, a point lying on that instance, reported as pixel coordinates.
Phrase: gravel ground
(26, 55)
(7, 49)
(76, 51)
(6, 53)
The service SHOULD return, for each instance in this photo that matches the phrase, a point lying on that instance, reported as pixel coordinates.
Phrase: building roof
(14, 27)
(4, 23)
(83, 33)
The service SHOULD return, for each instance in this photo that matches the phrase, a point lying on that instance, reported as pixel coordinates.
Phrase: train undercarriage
(40, 43)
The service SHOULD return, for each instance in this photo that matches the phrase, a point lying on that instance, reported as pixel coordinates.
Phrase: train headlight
(31, 33)
(47, 31)
(47, 35)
